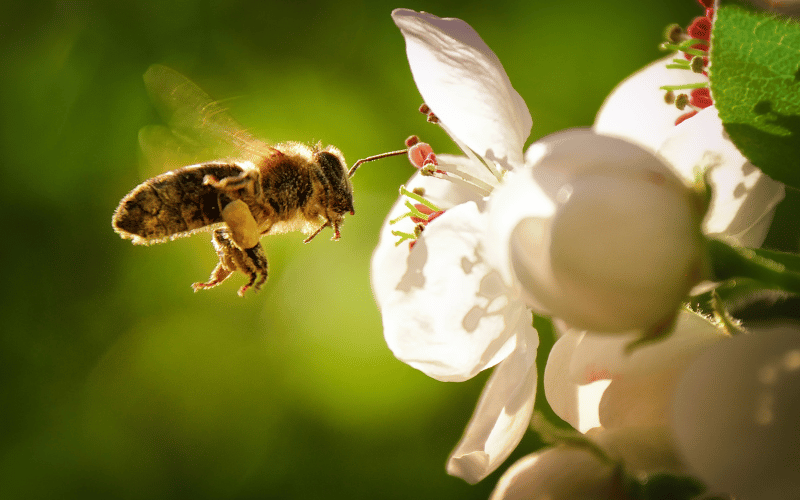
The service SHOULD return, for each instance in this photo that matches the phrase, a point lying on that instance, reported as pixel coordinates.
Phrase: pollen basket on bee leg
(244, 229)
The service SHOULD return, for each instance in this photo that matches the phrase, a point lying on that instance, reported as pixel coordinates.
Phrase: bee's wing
(198, 128)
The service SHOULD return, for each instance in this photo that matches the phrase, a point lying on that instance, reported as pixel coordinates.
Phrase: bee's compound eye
(331, 165)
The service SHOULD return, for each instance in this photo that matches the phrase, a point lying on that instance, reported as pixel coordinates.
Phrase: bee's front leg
(250, 261)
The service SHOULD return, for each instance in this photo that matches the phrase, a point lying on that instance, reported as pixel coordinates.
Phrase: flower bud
(558, 474)
(599, 233)
(736, 412)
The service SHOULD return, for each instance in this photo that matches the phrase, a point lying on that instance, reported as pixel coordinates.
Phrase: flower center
(694, 44)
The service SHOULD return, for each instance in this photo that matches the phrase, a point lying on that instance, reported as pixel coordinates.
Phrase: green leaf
(775, 270)
(755, 83)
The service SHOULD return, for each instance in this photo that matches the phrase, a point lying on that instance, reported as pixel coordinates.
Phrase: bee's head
(334, 169)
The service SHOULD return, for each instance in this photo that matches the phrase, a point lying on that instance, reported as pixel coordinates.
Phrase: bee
(266, 189)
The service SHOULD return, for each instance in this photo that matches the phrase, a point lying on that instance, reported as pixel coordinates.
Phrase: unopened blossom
(445, 309)
(560, 473)
(736, 414)
(621, 399)
(598, 232)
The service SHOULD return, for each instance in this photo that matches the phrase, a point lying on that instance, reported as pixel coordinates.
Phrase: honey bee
(266, 189)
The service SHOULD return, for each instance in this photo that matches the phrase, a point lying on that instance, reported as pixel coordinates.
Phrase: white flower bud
(558, 474)
(736, 415)
(599, 233)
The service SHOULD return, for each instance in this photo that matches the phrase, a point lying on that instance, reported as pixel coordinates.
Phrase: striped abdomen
(172, 204)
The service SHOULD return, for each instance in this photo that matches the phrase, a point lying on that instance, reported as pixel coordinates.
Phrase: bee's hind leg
(252, 262)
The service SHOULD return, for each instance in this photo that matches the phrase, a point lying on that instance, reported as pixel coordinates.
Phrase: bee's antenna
(373, 158)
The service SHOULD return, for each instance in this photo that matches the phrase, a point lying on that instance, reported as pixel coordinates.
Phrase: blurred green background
(117, 380)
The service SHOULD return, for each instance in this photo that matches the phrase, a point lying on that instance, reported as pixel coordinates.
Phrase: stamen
(695, 58)
(698, 64)
(415, 212)
(473, 182)
(403, 237)
(673, 33)
(426, 110)
(686, 47)
(679, 64)
(470, 153)
(414, 196)
(681, 101)
(686, 86)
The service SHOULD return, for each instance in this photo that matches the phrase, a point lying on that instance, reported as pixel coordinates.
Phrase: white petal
(639, 401)
(599, 356)
(517, 198)
(636, 110)
(557, 474)
(450, 315)
(561, 391)
(389, 260)
(579, 370)
(744, 199)
(503, 412)
(464, 84)
(576, 402)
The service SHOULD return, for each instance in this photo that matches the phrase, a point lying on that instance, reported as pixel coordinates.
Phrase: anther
(426, 110)
(698, 64)
(413, 139)
(669, 97)
(681, 101)
(673, 33)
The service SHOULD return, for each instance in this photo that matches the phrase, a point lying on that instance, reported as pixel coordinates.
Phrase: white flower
(737, 414)
(744, 199)
(445, 310)
(598, 232)
(623, 400)
(608, 259)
